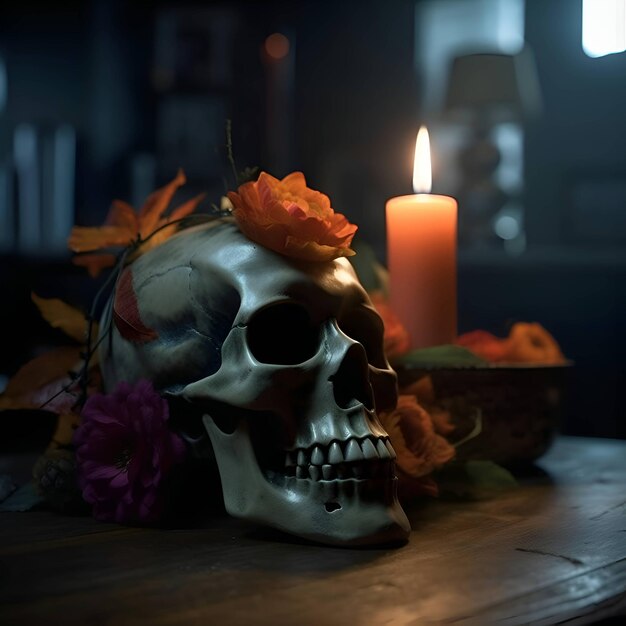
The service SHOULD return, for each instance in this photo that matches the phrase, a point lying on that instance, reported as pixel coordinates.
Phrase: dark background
(149, 88)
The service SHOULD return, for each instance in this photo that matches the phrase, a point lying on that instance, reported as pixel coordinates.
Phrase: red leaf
(126, 312)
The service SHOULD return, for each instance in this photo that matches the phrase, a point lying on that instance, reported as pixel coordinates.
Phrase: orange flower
(532, 343)
(419, 448)
(526, 343)
(484, 345)
(396, 337)
(290, 218)
(123, 226)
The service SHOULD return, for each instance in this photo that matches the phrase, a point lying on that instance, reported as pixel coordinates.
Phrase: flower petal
(288, 217)
(130, 423)
(120, 480)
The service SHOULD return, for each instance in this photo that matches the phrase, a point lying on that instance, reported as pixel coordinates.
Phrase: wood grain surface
(552, 550)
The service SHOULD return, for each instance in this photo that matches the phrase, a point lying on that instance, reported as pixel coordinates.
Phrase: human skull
(284, 360)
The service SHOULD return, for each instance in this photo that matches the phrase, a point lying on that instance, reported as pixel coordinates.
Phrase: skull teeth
(345, 471)
(357, 458)
(335, 453)
(317, 456)
(350, 451)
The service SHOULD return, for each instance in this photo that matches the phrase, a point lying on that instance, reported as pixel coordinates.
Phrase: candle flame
(422, 171)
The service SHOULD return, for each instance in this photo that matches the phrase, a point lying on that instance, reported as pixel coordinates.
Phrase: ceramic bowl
(508, 414)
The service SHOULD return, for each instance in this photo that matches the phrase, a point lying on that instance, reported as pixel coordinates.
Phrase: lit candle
(421, 256)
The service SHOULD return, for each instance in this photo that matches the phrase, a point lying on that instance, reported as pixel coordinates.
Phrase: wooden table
(551, 550)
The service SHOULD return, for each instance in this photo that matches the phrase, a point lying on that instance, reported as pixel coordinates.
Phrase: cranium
(284, 360)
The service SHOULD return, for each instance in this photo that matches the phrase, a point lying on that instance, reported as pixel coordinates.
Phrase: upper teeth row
(351, 451)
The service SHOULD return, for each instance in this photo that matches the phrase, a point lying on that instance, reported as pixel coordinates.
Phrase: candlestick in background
(278, 55)
(421, 255)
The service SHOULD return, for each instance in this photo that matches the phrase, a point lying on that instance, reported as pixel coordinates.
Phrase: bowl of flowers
(503, 395)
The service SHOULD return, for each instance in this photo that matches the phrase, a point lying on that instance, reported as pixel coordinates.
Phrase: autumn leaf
(126, 311)
(95, 263)
(88, 239)
(156, 205)
(44, 382)
(64, 431)
(125, 226)
(122, 215)
(61, 315)
(177, 214)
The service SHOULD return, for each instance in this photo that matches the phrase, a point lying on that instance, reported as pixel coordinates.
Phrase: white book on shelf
(7, 218)
(58, 180)
(26, 159)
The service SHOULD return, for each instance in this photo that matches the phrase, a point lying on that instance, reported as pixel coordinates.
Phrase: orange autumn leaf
(156, 204)
(61, 315)
(88, 239)
(95, 263)
(180, 212)
(124, 226)
(64, 430)
(41, 382)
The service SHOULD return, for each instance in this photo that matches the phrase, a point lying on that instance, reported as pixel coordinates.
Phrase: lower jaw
(349, 512)
(341, 512)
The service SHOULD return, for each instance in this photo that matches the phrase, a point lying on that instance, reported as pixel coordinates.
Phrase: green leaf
(447, 355)
(25, 498)
(366, 266)
(490, 475)
(474, 480)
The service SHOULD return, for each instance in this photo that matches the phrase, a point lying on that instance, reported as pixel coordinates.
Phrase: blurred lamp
(492, 87)
(484, 90)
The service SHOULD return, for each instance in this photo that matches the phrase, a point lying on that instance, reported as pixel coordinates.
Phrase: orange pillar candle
(421, 256)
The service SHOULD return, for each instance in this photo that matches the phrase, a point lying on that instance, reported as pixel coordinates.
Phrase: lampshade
(498, 87)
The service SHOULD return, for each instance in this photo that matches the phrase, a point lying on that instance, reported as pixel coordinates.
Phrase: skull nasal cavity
(351, 384)
(282, 334)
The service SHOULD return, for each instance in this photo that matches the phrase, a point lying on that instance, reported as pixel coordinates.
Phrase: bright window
(604, 27)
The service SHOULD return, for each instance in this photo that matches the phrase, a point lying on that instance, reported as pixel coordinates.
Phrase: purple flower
(124, 450)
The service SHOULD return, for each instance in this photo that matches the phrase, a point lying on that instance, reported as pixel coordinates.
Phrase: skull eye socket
(282, 334)
(366, 328)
